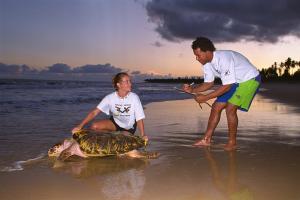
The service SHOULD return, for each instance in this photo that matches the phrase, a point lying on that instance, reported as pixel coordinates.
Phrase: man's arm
(201, 98)
(198, 88)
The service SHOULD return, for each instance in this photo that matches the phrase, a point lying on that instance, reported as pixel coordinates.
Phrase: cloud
(65, 72)
(58, 68)
(225, 21)
(139, 76)
(64, 68)
(15, 69)
(61, 68)
(135, 73)
(107, 68)
(157, 44)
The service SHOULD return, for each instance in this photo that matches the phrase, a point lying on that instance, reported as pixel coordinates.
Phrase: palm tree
(287, 65)
(277, 69)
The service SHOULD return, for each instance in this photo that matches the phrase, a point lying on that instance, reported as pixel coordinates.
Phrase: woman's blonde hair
(117, 79)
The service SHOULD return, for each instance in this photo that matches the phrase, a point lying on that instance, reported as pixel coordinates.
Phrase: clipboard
(194, 94)
(181, 90)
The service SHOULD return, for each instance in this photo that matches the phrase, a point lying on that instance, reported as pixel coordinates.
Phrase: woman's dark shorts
(132, 130)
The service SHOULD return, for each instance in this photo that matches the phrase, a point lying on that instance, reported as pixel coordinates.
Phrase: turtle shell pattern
(105, 144)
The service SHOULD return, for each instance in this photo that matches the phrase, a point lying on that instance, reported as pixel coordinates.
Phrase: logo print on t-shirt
(227, 73)
(125, 109)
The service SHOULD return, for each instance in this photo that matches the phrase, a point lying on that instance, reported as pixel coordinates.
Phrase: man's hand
(200, 98)
(187, 88)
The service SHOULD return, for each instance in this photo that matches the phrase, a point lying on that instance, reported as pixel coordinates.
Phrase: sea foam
(19, 165)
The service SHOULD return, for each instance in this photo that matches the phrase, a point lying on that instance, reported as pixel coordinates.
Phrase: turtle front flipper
(65, 154)
(74, 149)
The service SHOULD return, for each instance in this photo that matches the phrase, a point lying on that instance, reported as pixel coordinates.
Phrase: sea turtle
(85, 143)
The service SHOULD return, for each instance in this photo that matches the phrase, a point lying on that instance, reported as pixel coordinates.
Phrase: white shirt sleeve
(208, 73)
(139, 111)
(228, 72)
(104, 105)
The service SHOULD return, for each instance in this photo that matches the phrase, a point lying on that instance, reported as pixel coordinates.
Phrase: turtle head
(59, 147)
(55, 150)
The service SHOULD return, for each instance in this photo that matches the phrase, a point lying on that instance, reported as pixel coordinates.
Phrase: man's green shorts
(244, 94)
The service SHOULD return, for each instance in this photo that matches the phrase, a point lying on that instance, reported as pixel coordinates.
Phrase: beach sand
(265, 165)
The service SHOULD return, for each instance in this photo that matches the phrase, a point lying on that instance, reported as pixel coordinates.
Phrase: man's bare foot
(202, 142)
(230, 147)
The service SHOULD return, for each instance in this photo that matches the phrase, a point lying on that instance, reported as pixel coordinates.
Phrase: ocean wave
(48, 84)
(19, 165)
(61, 99)
(42, 102)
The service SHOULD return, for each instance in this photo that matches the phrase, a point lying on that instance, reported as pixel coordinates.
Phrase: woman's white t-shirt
(125, 111)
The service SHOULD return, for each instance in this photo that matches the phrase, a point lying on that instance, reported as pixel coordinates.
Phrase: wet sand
(265, 165)
(282, 92)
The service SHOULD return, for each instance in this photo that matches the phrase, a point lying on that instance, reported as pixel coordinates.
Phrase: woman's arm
(140, 125)
(87, 119)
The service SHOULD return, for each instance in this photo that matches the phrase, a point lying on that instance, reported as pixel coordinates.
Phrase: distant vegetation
(287, 71)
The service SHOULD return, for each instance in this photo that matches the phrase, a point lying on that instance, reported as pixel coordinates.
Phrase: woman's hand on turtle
(145, 137)
(76, 129)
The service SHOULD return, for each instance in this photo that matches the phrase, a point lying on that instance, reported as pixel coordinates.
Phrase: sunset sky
(147, 36)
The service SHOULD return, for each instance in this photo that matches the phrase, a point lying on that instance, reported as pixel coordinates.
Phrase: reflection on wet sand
(115, 178)
(84, 168)
(228, 186)
(127, 184)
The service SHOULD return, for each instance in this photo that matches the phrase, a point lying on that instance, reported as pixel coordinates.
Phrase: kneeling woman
(124, 107)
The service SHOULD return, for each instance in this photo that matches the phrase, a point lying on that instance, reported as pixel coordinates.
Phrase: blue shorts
(226, 96)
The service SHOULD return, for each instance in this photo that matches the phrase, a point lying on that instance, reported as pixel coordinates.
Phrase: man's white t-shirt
(125, 111)
(230, 67)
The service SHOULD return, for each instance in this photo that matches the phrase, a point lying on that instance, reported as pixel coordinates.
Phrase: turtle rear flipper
(149, 155)
(143, 154)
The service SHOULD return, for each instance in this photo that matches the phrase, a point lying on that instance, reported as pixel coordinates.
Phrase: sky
(143, 36)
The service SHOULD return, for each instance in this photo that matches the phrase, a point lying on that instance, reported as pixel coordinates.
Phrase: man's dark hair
(204, 44)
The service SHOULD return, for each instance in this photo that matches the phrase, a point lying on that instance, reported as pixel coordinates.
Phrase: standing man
(240, 82)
